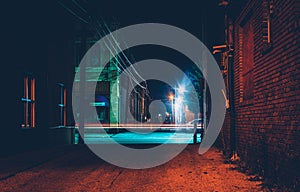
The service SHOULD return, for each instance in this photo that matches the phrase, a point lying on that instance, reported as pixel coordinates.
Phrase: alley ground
(76, 168)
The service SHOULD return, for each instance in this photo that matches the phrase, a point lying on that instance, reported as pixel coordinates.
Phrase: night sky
(33, 28)
(30, 23)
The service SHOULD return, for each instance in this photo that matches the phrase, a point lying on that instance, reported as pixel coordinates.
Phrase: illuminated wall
(109, 74)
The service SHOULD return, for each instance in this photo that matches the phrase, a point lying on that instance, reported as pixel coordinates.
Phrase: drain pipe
(227, 54)
(230, 78)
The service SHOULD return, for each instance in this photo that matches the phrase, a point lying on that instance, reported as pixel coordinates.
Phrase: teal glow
(98, 104)
(27, 100)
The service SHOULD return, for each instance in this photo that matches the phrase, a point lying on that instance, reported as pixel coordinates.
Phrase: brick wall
(267, 126)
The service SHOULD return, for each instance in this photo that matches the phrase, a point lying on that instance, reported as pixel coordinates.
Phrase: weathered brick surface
(268, 127)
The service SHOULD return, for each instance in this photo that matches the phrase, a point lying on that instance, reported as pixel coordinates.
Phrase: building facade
(262, 71)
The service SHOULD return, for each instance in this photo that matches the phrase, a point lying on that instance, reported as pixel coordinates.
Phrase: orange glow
(33, 103)
(269, 31)
(26, 104)
(32, 89)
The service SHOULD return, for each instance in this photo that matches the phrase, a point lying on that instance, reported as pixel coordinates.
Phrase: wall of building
(267, 125)
(38, 43)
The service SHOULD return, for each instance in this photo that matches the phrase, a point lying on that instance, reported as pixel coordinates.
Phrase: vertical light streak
(32, 103)
(26, 100)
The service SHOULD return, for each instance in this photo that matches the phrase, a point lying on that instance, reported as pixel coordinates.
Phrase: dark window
(266, 26)
(246, 44)
(62, 105)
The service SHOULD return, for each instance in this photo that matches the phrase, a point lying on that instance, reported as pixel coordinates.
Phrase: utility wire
(122, 51)
(123, 69)
(129, 74)
(77, 4)
(80, 7)
(130, 63)
(70, 11)
(133, 77)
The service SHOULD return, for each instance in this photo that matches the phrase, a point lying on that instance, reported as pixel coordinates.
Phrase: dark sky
(31, 24)
(188, 16)
(184, 14)
(36, 35)
(29, 28)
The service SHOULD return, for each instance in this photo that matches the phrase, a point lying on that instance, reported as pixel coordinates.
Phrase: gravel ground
(75, 168)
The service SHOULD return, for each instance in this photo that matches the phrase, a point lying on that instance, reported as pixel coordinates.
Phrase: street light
(179, 99)
(179, 108)
(171, 98)
(181, 89)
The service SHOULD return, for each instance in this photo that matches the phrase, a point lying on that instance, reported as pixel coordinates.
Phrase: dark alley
(150, 96)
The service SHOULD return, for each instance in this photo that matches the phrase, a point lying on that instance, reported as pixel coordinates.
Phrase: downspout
(230, 76)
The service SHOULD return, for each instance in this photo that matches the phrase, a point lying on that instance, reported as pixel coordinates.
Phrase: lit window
(62, 105)
(28, 100)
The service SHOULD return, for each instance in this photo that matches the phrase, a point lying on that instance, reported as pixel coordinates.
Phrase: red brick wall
(268, 127)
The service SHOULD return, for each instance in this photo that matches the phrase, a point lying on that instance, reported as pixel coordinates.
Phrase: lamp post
(179, 102)
(171, 98)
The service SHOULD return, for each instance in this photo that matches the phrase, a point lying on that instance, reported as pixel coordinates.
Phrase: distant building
(105, 102)
(115, 104)
(104, 87)
(138, 106)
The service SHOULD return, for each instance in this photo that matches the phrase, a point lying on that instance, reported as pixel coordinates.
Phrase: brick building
(262, 61)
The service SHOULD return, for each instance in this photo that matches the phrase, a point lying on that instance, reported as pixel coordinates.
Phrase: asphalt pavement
(73, 168)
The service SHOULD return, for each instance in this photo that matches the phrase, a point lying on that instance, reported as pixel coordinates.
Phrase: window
(28, 100)
(246, 57)
(268, 7)
(62, 105)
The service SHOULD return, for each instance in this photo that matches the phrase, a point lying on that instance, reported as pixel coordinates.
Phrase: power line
(70, 11)
(123, 53)
(123, 69)
(129, 74)
(80, 7)
(130, 63)
(135, 80)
